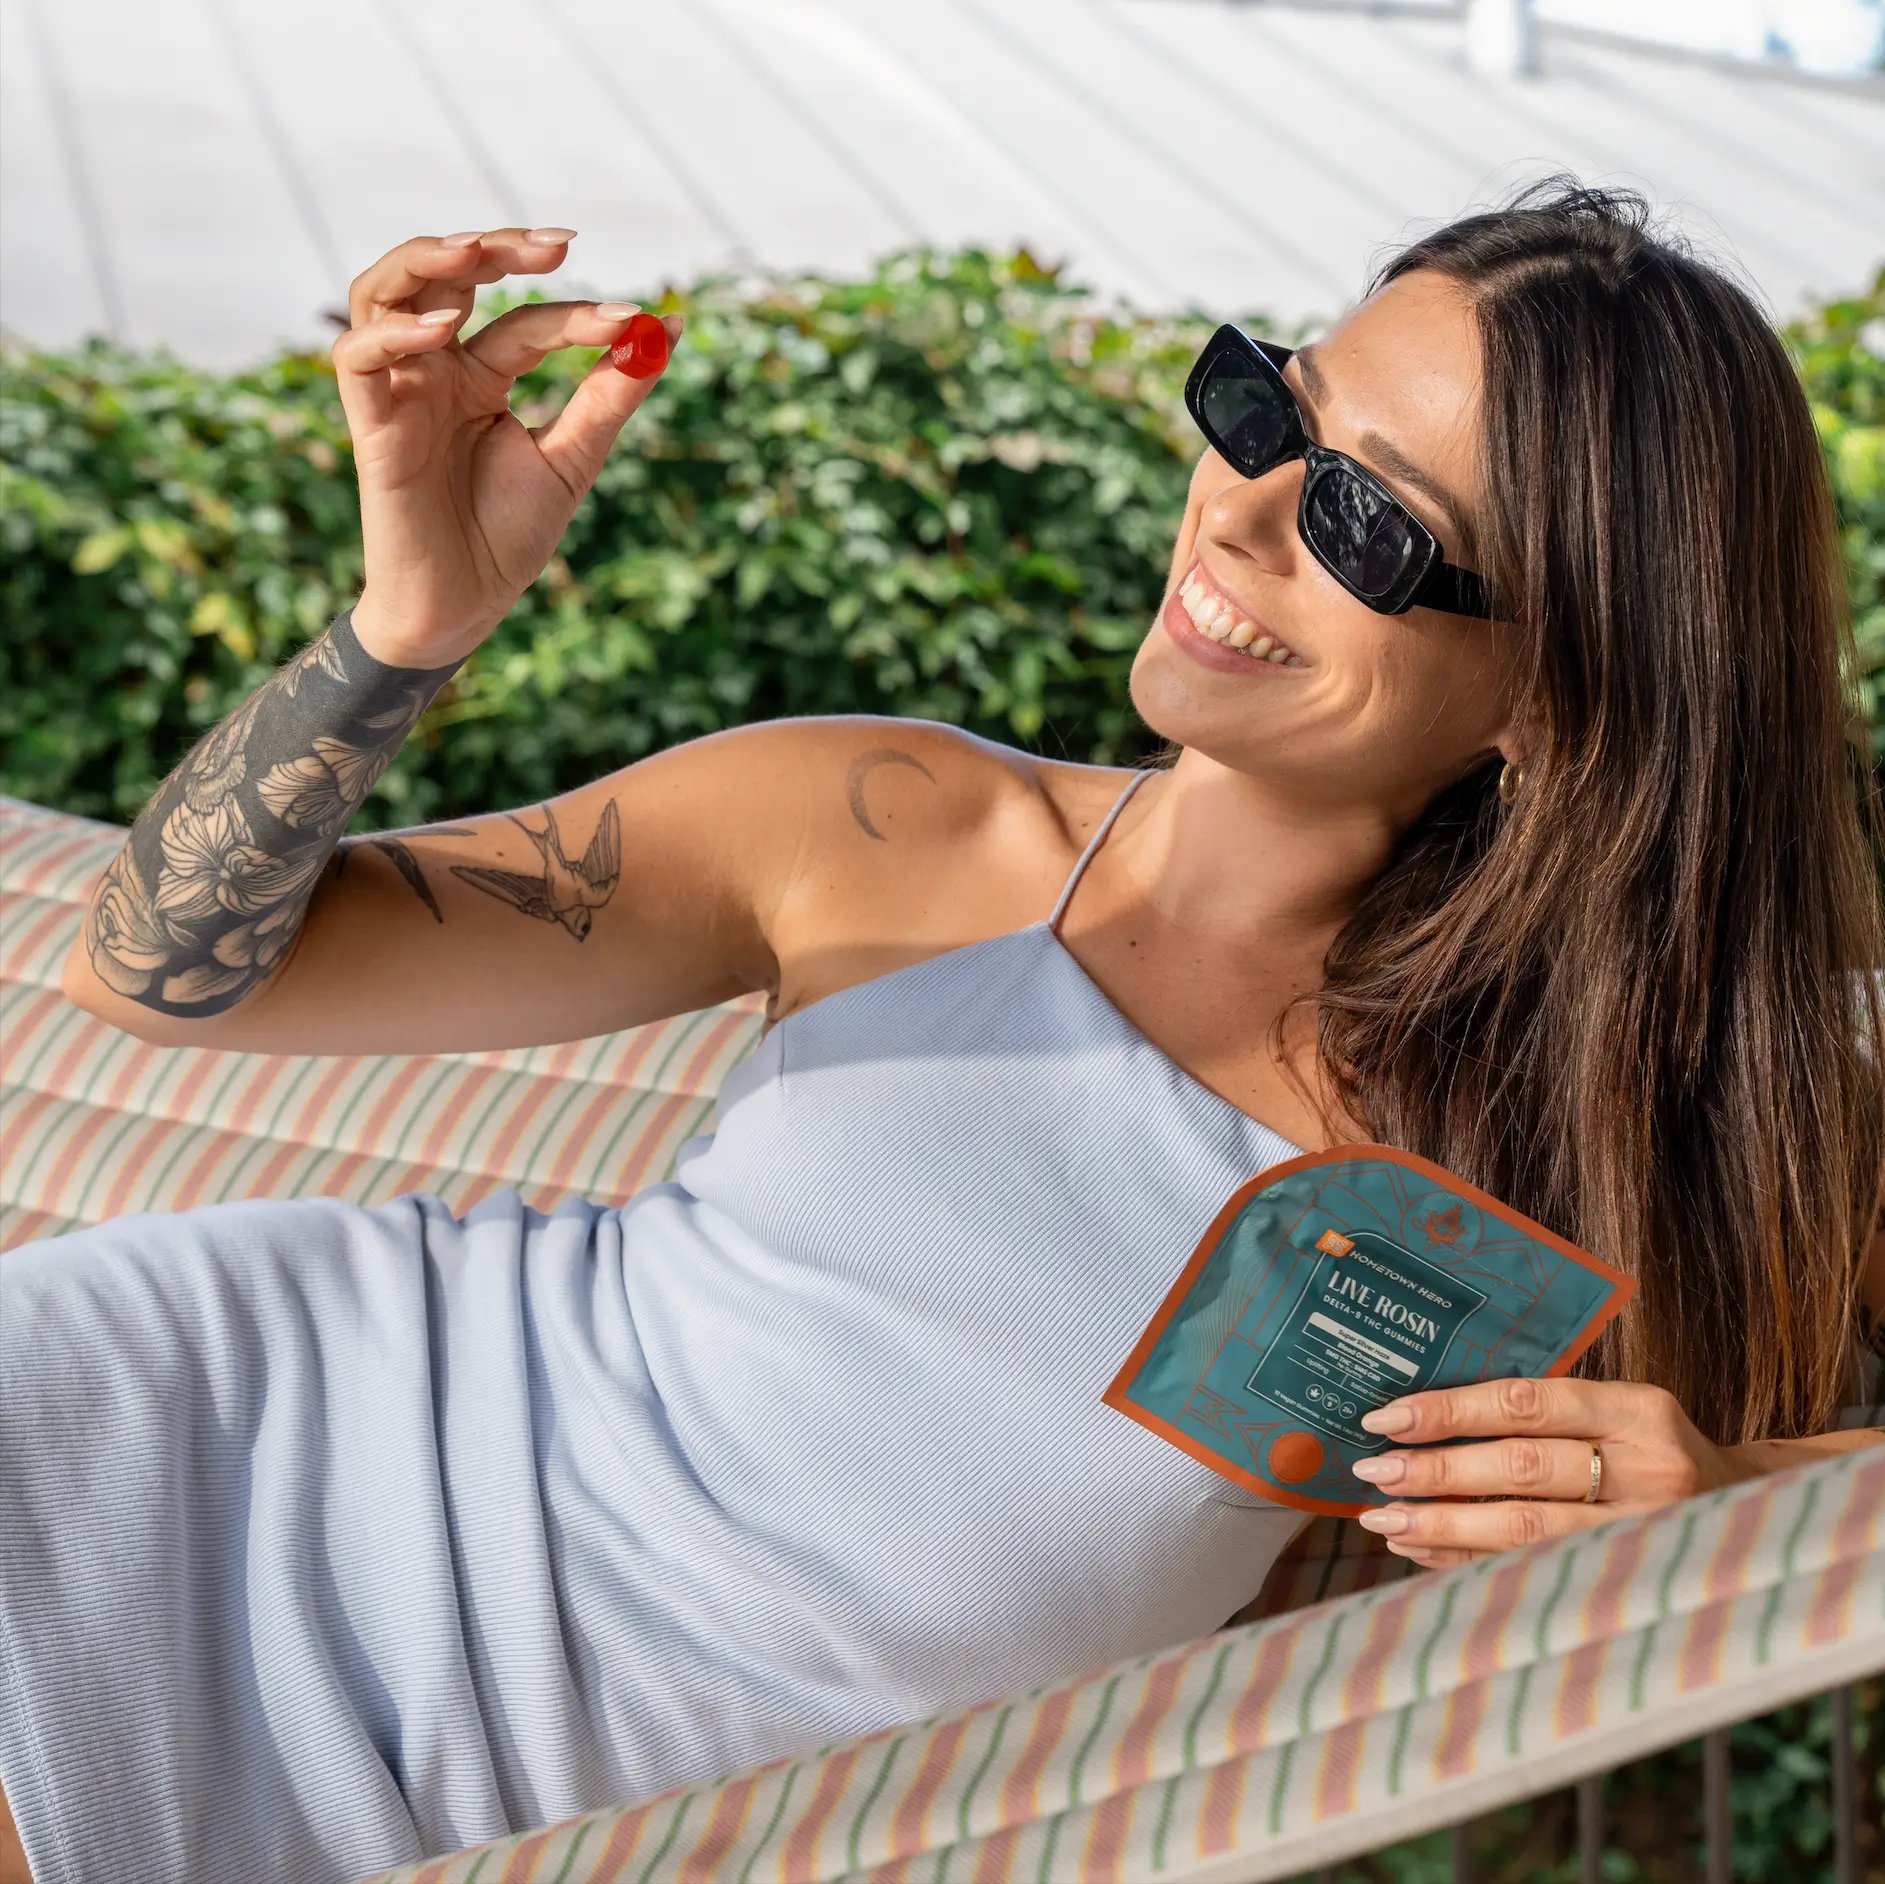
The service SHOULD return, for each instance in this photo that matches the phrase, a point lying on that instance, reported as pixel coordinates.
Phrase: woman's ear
(1521, 737)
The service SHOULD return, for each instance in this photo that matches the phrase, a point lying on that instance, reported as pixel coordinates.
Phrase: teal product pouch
(1333, 1283)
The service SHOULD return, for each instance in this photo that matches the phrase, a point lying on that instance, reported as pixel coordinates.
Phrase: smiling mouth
(1219, 620)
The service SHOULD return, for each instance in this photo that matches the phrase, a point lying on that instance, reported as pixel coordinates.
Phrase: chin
(1157, 692)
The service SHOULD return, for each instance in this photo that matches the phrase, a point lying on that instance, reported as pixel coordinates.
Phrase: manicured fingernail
(617, 310)
(1379, 1471)
(1410, 1551)
(1389, 1522)
(673, 323)
(1394, 1418)
(440, 317)
(549, 235)
(464, 240)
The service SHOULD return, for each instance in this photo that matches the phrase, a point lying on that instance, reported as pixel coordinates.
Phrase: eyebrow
(1391, 458)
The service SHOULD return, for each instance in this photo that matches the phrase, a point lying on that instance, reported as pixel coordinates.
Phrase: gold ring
(1596, 1475)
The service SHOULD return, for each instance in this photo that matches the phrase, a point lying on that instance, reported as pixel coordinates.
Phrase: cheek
(1428, 704)
(1411, 688)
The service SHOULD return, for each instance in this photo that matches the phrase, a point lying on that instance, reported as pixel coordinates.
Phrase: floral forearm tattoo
(213, 881)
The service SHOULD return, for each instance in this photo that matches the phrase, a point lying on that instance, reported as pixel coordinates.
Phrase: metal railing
(1716, 1815)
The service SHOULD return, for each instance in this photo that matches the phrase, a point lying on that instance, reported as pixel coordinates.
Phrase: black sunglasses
(1357, 529)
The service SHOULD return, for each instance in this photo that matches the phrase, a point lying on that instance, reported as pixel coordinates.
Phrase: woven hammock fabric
(98, 1123)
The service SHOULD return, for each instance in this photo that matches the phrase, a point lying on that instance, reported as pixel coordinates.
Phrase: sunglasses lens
(1368, 540)
(1245, 412)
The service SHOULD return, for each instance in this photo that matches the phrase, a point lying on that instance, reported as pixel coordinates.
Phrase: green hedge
(948, 490)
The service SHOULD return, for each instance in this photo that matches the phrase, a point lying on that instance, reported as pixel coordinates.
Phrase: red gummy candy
(641, 349)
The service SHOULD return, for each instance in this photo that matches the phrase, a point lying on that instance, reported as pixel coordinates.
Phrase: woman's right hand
(461, 504)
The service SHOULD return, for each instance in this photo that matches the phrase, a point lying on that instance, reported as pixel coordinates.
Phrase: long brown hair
(1640, 1003)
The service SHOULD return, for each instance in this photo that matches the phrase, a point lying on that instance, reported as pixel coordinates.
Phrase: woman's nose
(1259, 515)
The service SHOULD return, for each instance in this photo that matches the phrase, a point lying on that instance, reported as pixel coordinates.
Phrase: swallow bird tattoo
(566, 892)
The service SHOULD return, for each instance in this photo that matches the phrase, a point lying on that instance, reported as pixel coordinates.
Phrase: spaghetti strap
(1093, 844)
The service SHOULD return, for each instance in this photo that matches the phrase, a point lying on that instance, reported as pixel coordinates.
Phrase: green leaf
(1859, 454)
(100, 550)
(754, 579)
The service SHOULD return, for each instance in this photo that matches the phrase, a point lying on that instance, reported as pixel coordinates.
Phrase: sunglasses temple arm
(1455, 592)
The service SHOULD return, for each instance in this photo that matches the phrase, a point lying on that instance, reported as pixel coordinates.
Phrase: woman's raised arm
(200, 913)
(231, 918)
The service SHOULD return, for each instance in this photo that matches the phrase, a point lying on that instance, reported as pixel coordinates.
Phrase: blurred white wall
(209, 174)
(1825, 36)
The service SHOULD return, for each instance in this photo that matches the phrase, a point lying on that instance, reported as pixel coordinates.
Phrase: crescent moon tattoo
(856, 773)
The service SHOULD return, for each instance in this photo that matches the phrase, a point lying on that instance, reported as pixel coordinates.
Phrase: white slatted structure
(209, 173)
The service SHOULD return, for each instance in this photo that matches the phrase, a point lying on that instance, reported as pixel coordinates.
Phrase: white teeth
(1218, 622)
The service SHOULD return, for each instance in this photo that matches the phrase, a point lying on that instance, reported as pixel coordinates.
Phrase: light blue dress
(332, 1537)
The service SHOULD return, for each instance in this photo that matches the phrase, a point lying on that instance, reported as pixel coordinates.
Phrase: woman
(338, 1536)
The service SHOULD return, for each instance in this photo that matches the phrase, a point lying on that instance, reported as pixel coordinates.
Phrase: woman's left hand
(1533, 1468)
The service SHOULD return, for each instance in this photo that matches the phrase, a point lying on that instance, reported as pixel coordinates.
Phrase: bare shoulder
(917, 837)
(898, 810)
(975, 780)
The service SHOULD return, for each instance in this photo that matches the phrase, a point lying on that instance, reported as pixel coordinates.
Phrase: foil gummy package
(1333, 1283)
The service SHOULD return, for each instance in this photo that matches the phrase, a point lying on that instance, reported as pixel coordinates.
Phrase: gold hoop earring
(1511, 782)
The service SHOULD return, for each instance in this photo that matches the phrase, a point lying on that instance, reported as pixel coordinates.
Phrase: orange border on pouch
(1115, 1394)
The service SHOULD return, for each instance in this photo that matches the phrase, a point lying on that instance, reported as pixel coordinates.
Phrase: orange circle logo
(1295, 1456)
